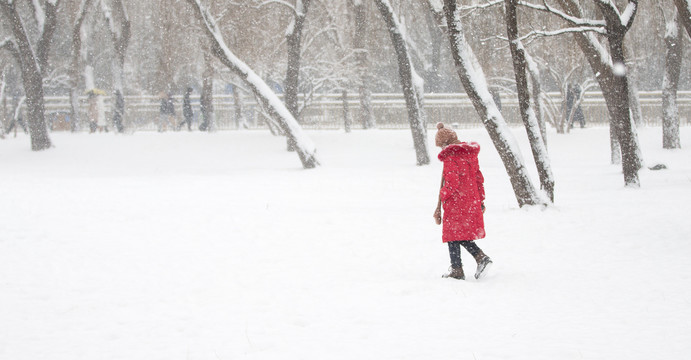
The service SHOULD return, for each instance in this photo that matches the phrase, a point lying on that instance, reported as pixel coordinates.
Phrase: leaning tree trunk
(269, 101)
(473, 80)
(684, 9)
(527, 113)
(362, 65)
(670, 84)
(410, 82)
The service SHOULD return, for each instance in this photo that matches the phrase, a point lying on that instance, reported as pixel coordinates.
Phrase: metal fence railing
(327, 111)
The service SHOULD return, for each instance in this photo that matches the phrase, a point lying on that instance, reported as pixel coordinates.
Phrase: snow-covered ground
(220, 246)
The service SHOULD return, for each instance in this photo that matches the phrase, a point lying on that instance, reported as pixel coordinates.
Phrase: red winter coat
(462, 193)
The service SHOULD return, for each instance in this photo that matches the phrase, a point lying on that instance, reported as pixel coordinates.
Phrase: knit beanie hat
(445, 136)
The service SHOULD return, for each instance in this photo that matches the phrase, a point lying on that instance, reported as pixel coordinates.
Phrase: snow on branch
(436, 6)
(304, 146)
(469, 10)
(485, 5)
(576, 21)
(108, 14)
(39, 14)
(628, 14)
(612, 12)
(541, 33)
(296, 12)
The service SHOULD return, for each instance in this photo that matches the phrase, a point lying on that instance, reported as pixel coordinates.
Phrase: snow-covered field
(220, 246)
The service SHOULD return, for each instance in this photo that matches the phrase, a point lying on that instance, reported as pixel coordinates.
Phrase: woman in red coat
(462, 194)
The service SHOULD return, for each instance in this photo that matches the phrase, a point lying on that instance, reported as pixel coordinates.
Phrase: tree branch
(536, 33)
(564, 16)
(280, 2)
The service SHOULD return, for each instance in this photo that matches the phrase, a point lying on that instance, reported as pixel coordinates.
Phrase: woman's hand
(437, 216)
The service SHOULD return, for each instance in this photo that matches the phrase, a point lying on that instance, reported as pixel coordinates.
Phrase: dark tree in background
(33, 60)
(119, 25)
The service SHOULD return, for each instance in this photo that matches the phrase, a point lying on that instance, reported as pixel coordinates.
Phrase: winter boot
(456, 273)
(483, 264)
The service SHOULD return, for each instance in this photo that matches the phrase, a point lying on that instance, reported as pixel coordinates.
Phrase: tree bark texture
(530, 122)
(470, 73)
(670, 84)
(411, 92)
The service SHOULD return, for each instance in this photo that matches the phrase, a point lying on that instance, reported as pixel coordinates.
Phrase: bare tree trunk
(434, 76)
(207, 96)
(410, 82)
(362, 64)
(684, 9)
(240, 121)
(535, 80)
(3, 102)
(527, 114)
(346, 112)
(621, 106)
(473, 80)
(120, 36)
(613, 82)
(33, 62)
(670, 83)
(293, 40)
(292, 82)
(75, 66)
(166, 20)
(635, 102)
(269, 101)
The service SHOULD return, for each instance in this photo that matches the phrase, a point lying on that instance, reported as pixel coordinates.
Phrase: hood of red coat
(462, 149)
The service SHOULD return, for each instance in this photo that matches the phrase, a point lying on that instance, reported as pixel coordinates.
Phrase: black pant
(455, 251)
